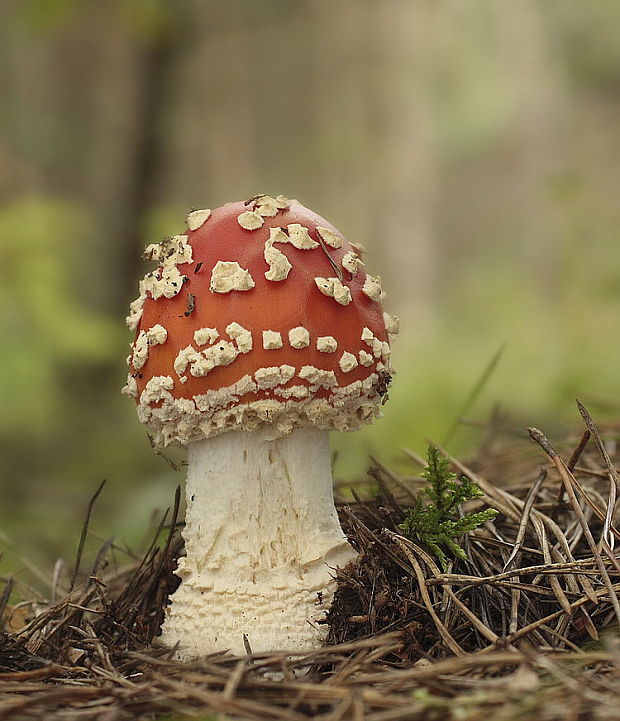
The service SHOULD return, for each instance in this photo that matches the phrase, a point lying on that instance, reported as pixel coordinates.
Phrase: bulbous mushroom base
(203, 621)
(262, 540)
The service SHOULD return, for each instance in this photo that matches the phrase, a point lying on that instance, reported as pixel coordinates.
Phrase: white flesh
(262, 538)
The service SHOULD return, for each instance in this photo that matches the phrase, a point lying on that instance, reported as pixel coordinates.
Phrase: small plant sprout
(434, 518)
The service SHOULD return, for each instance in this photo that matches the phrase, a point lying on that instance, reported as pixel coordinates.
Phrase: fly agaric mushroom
(258, 333)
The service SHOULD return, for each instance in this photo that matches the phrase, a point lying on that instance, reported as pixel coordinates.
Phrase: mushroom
(243, 357)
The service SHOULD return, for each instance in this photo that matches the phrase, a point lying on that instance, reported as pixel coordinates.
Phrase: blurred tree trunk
(538, 133)
(85, 109)
(134, 80)
(374, 139)
(342, 118)
(209, 155)
(405, 204)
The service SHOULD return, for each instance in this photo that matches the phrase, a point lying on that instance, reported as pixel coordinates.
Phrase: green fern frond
(434, 518)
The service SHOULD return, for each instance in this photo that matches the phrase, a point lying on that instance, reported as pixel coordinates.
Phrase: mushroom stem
(262, 538)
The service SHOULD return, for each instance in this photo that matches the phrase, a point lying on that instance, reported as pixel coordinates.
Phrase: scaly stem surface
(262, 538)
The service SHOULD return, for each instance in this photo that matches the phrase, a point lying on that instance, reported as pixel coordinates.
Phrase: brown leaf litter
(527, 627)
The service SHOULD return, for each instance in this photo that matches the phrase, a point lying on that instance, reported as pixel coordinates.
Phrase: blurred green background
(472, 145)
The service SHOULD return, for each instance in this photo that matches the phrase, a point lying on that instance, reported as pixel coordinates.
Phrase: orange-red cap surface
(261, 312)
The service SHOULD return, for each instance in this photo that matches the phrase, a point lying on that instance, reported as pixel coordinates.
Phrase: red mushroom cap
(262, 312)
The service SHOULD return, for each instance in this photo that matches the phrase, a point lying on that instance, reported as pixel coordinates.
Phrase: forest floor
(525, 628)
